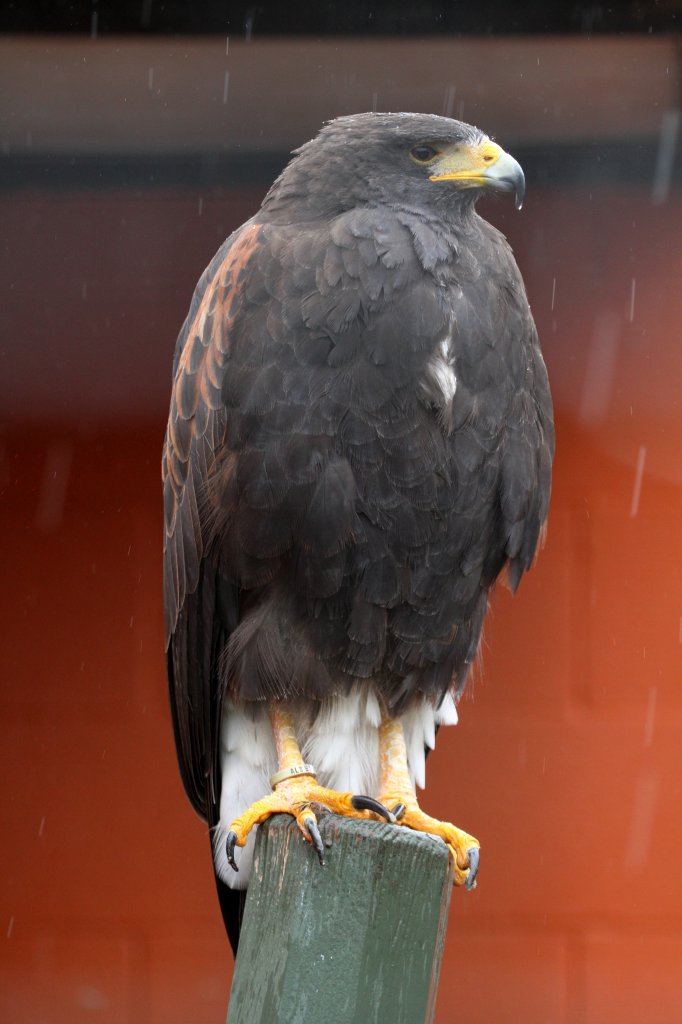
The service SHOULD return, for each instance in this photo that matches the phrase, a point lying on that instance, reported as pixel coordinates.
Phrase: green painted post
(358, 941)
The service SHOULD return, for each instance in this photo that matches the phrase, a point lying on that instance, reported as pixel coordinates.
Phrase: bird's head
(419, 159)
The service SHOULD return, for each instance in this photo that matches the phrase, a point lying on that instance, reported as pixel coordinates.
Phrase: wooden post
(358, 941)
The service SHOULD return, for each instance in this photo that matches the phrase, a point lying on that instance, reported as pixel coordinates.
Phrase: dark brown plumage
(359, 442)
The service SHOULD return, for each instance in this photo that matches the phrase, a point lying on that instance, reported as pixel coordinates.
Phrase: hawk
(359, 443)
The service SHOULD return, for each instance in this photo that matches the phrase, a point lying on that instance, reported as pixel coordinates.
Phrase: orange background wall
(566, 763)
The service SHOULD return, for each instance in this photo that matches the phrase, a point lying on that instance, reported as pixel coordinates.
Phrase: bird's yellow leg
(397, 792)
(295, 791)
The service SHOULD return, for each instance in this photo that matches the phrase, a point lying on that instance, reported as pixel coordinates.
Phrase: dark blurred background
(133, 138)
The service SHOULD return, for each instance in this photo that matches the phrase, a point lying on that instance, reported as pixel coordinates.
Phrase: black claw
(474, 857)
(230, 844)
(368, 803)
(314, 833)
(398, 811)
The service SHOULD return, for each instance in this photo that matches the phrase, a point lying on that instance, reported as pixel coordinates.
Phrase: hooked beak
(484, 164)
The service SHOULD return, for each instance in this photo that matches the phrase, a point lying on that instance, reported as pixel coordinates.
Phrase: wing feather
(196, 425)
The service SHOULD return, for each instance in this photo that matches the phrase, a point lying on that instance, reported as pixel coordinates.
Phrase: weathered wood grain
(358, 941)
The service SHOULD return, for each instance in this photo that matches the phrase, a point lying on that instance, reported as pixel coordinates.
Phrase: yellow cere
(467, 163)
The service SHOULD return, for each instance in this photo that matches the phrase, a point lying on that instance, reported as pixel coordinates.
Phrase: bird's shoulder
(383, 248)
(322, 280)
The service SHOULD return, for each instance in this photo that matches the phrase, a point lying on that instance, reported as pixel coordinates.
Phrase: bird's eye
(423, 154)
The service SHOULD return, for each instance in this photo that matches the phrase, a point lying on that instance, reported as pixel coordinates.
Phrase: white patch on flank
(342, 743)
(440, 384)
(442, 370)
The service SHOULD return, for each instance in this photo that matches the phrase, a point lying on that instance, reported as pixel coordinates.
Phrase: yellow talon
(295, 790)
(396, 788)
(459, 843)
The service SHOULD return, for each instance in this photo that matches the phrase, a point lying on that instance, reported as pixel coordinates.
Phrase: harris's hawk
(360, 441)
